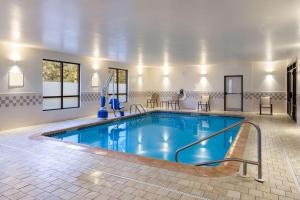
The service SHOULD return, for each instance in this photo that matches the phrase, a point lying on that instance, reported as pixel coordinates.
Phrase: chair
(265, 102)
(204, 101)
(174, 101)
(153, 100)
(115, 105)
(164, 102)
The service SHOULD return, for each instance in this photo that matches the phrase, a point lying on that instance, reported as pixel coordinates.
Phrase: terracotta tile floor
(33, 169)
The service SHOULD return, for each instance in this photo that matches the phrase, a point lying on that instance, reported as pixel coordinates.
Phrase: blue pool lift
(115, 105)
(114, 102)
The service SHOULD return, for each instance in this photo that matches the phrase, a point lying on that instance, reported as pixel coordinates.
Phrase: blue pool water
(159, 135)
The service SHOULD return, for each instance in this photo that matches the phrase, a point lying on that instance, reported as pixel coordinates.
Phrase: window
(119, 85)
(61, 85)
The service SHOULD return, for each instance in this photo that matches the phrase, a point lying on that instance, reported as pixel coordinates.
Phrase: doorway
(233, 93)
(291, 90)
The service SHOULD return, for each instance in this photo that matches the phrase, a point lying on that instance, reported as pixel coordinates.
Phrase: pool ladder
(245, 162)
(138, 107)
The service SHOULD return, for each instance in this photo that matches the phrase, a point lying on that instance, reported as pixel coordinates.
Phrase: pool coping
(236, 149)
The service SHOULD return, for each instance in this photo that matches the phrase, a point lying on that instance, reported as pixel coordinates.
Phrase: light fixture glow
(140, 65)
(165, 136)
(166, 67)
(15, 24)
(140, 70)
(140, 149)
(269, 67)
(203, 83)
(203, 69)
(269, 48)
(269, 82)
(203, 143)
(96, 64)
(140, 138)
(203, 58)
(15, 52)
(140, 81)
(165, 147)
(96, 174)
(103, 153)
(166, 71)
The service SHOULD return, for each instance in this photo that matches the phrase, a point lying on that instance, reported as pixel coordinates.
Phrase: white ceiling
(154, 32)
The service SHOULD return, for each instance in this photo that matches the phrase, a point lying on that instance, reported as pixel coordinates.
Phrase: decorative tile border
(197, 94)
(90, 96)
(135, 94)
(33, 99)
(277, 96)
(20, 100)
(169, 94)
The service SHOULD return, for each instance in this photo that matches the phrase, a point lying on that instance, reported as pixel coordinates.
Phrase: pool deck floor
(47, 169)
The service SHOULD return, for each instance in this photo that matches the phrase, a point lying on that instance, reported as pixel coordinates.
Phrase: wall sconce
(203, 69)
(269, 77)
(269, 69)
(140, 70)
(95, 65)
(95, 80)
(15, 77)
(166, 70)
(140, 81)
(269, 73)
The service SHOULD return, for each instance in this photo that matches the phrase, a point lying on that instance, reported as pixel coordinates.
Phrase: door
(289, 93)
(233, 93)
(291, 90)
(294, 98)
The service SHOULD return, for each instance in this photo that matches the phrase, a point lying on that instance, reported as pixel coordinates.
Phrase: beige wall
(30, 63)
(259, 77)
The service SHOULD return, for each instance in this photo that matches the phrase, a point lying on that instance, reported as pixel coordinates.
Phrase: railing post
(259, 159)
(244, 169)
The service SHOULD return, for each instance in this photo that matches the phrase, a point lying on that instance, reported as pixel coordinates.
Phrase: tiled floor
(33, 169)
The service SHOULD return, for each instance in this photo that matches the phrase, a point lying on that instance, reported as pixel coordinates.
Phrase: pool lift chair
(114, 102)
(116, 106)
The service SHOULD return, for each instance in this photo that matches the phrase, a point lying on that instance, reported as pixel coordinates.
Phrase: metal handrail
(245, 162)
(141, 107)
(136, 106)
(133, 105)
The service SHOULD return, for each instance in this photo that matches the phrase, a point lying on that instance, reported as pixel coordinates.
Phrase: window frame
(62, 85)
(117, 77)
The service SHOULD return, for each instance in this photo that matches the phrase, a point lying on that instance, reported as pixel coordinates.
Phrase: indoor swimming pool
(159, 134)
